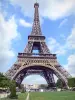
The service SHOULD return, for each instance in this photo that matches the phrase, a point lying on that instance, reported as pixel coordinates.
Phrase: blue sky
(57, 19)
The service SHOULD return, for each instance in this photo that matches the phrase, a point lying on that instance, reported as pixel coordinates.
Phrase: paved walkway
(3, 95)
(27, 98)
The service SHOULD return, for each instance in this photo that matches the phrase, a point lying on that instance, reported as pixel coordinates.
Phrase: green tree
(59, 83)
(43, 86)
(71, 82)
(4, 81)
(22, 88)
(13, 89)
(4, 84)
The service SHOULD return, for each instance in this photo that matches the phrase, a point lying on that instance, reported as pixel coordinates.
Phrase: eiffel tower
(43, 63)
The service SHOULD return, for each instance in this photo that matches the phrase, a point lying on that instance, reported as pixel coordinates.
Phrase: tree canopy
(71, 82)
(59, 83)
(4, 81)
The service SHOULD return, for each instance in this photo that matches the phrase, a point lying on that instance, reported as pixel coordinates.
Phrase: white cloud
(69, 45)
(24, 23)
(56, 47)
(71, 39)
(63, 22)
(70, 67)
(8, 32)
(52, 9)
(61, 49)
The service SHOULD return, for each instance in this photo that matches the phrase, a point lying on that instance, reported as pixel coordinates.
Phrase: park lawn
(46, 96)
(52, 96)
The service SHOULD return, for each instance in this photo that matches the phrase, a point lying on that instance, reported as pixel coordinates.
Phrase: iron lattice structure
(44, 62)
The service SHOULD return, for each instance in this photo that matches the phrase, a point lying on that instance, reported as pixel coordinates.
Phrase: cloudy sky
(58, 25)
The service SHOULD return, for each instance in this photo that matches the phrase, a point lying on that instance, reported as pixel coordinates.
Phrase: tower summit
(36, 4)
(36, 29)
(43, 63)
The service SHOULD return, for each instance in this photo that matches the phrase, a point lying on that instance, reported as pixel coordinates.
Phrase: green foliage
(4, 81)
(4, 84)
(43, 86)
(22, 88)
(12, 87)
(59, 83)
(71, 82)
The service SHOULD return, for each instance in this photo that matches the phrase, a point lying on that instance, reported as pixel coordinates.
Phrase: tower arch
(40, 69)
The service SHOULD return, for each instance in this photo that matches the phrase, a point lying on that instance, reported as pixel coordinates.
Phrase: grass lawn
(46, 96)
(52, 96)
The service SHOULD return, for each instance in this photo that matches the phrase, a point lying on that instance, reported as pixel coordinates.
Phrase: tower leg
(50, 78)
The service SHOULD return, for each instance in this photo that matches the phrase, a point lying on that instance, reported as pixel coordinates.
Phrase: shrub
(12, 89)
